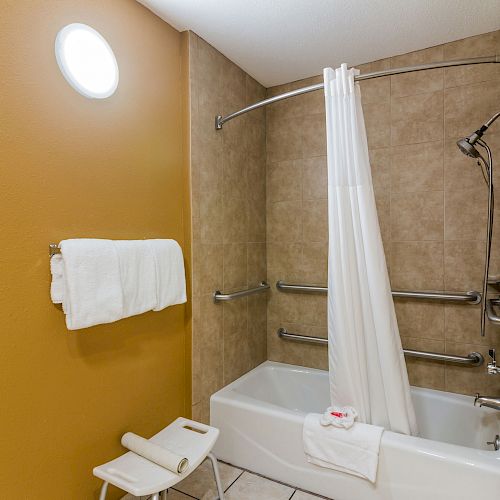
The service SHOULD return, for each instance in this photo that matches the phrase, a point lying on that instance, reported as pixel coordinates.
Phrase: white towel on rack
(93, 288)
(101, 281)
(170, 274)
(138, 276)
(353, 451)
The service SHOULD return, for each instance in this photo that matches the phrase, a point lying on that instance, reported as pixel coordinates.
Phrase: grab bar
(471, 297)
(224, 297)
(472, 359)
(490, 310)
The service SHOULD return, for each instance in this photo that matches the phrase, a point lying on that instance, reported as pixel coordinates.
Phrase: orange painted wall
(74, 167)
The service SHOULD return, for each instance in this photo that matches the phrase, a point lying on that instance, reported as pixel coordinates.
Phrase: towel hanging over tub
(100, 281)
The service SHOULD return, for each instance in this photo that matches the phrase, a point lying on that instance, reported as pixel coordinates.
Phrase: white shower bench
(140, 477)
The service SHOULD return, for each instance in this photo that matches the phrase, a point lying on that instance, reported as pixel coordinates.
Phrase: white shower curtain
(367, 366)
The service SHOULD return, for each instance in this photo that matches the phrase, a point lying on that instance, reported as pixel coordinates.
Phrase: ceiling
(279, 41)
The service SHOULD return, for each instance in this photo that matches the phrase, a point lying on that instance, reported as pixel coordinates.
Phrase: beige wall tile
(417, 167)
(466, 214)
(462, 325)
(315, 221)
(463, 265)
(422, 320)
(380, 162)
(468, 106)
(460, 171)
(284, 262)
(376, 90)
(314, 262)
(421, 81)
(284, 221)
(229, 223)
(421, 372)
(474, 46)
(234, 170)
(284, 139)
(207, 268)
(314, 178)
(235, 227)
(211, 214)
(378, 123)
(313, 136)
(417, 118)
(234, 268)
(417, 216)
(284, 181)
(417, 265)
(468, 379)
(256, 263)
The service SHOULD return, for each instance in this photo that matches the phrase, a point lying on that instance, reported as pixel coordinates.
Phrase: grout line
(179, 491)
(269, 479)
(292, 495)
(239, 475)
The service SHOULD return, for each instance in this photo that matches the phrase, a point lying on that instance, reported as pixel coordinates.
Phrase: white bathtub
(260, 416)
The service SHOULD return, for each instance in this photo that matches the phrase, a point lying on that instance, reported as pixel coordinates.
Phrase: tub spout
(488, 401)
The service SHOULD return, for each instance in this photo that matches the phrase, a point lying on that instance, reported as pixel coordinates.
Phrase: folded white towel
(93, 288)
(170, 274)
(353, 451)
(138, 276)
(101, 281)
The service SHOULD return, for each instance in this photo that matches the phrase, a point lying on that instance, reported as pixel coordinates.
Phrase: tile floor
(238, 485)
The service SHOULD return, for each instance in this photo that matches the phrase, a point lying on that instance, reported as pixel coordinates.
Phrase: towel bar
(53, 249)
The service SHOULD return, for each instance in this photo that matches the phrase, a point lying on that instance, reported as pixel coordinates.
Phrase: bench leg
(163, 495)
(215, 466)
(104, 490)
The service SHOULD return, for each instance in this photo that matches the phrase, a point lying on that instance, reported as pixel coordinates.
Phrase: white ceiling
(279, 41)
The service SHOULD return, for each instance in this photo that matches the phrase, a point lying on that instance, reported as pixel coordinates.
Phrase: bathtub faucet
(488, 401)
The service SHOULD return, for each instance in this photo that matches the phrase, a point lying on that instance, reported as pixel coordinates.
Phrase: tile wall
(431, 203)
(229, 223)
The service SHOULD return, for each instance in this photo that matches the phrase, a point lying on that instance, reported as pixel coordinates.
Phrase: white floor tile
(201, 482)
(252, 487)
(301, 495)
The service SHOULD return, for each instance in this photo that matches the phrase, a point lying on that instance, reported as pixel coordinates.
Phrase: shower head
(466, 145)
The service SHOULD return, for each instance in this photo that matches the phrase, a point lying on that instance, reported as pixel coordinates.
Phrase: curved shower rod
(220, 120)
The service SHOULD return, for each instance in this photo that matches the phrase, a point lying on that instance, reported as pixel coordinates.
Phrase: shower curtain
(367, 366)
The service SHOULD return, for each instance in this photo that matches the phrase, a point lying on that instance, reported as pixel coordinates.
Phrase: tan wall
(74, 167)
(431, 204)
(229, 223)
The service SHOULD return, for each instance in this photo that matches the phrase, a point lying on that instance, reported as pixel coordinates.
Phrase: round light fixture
(86, 61)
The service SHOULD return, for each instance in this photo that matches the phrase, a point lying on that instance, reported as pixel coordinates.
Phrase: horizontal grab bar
(471, 297)
(472, 359)
(224, 297)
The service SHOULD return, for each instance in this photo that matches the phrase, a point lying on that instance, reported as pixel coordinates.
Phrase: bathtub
(261, 414)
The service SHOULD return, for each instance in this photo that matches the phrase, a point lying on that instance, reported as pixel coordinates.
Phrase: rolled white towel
(155, 453)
